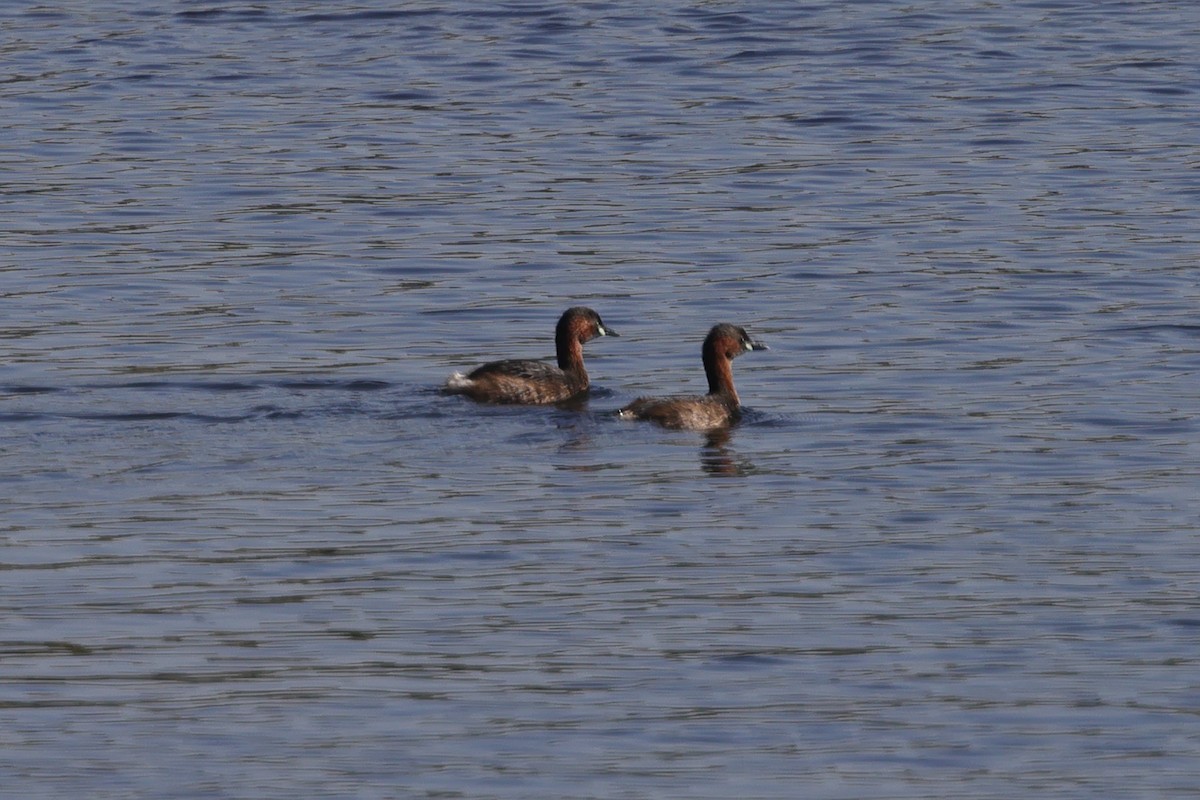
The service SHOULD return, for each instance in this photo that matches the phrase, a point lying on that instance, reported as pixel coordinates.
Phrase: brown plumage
(717, 409)
(536, 382)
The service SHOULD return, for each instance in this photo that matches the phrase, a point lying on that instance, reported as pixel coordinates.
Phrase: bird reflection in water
(718, 460)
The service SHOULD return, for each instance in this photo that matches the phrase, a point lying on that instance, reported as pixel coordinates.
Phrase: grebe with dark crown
(537, 382)
(717, 409)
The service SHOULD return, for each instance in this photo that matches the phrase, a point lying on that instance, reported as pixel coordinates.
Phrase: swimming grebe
(536, 382)
(717, 409)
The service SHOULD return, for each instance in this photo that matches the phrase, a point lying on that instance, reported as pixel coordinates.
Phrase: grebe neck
(719, 370)
(570, 354)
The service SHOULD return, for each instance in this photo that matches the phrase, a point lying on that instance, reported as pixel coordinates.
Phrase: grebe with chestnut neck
(520, 381)
(719, 408)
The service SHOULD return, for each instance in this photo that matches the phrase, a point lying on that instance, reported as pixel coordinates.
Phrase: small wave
(211, 14)
(152, 416)
(367, 16)
(358, 385)
(29, 389)
(204, 386)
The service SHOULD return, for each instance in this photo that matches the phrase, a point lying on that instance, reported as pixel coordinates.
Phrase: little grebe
(523, 381)
(717, 409)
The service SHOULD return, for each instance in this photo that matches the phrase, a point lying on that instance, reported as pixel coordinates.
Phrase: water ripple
(945, 553)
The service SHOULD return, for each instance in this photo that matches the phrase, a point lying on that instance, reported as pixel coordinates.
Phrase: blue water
(249, 550)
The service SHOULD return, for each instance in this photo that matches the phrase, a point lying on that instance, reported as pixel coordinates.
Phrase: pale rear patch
(459, 382)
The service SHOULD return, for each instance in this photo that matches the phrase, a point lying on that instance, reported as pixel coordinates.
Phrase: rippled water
(248, 549)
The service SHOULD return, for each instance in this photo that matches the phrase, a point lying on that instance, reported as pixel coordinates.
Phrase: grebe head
(582, 324)
(729, 341)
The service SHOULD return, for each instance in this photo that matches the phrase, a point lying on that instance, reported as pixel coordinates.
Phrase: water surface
(249, 550)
